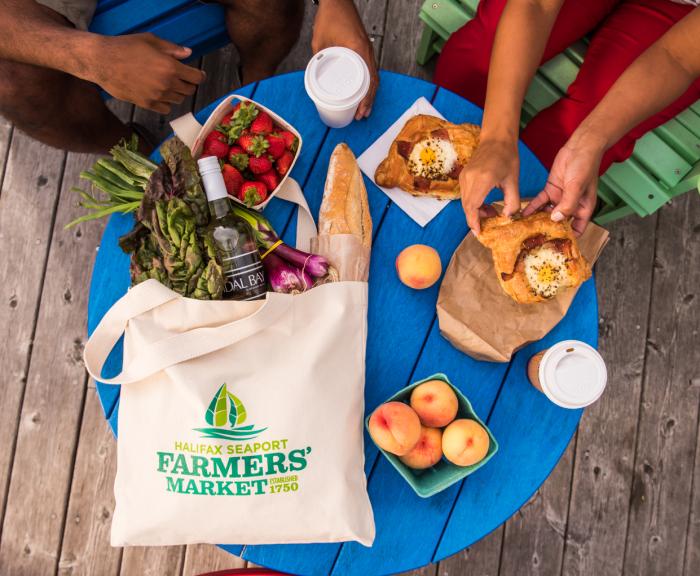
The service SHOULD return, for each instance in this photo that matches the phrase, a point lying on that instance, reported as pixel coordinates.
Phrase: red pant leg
(625, 34)
(464, 62)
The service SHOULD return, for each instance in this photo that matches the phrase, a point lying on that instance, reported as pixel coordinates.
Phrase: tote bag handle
(174, 349)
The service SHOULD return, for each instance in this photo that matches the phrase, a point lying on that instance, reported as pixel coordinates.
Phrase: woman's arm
(518, 46)
(653, 81)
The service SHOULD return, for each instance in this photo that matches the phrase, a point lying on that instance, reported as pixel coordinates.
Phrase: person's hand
(145, 70)
(338, 24)
(495, 164)
(571, 190)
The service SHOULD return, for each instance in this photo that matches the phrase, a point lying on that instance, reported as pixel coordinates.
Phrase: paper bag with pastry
(344, 222)
(478, 310)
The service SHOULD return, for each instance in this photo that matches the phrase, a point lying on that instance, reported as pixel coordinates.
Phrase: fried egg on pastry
(432, 158)
(535, 258)
(427, 157)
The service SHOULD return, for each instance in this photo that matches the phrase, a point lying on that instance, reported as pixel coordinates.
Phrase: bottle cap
(212, 178)
(572, 374)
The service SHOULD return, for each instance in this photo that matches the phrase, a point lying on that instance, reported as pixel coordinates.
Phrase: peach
(465, 442)
(435, 403)
(419, 266)
(394, 427)
(427, 452)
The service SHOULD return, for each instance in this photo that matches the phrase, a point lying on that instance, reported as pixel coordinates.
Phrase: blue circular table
(404, 345)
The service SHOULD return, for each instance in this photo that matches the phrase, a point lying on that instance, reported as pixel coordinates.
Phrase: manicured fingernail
(557, 216)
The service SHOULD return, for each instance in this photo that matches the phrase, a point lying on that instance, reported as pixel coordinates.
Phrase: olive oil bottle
(236, 250)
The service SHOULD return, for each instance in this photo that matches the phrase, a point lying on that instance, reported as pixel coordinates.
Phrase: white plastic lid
(212, 178)
(337, 78)
(572, 374)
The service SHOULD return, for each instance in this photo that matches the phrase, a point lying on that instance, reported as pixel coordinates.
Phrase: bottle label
(244, 273)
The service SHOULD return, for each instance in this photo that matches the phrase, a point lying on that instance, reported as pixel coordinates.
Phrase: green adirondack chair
(665, 162)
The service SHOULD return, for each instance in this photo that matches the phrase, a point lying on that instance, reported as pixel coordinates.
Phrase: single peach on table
(427, 452)
(394, 427)
(419, 266)
(435, 403)
(465, 442)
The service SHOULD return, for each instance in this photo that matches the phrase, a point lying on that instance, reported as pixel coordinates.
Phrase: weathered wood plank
(401, 39)
(534, 536)
(692, 547)
(154, 561)
(429, 570)
(222, 76)
(481, 559)
(5, 138)
(667, 433)
(606, 437)
(55, 389)
(205, 558)
(27, 204)
(86, 550)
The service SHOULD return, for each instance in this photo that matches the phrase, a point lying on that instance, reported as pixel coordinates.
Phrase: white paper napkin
(421, 209)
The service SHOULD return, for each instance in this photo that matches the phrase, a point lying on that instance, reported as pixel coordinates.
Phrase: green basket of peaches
(431, 435)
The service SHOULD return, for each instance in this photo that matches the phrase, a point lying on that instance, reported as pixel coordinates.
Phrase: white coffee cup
(571, 374)
(337, 79)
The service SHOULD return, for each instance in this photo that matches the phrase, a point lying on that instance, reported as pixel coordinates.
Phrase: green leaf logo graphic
(217, 413)
(237, 413)
(225, 408)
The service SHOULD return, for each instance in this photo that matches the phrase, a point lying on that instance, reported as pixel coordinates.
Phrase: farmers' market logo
(226, 416)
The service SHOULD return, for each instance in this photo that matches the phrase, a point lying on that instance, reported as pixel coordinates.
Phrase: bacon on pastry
(535, 258)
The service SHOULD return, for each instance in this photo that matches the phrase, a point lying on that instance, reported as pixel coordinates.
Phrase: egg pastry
(427, 156)
(535, 258)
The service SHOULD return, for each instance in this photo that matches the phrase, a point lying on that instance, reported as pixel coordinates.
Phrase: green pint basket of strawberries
(256, 148)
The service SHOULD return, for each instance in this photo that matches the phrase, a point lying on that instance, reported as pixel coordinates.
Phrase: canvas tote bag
(239, 422)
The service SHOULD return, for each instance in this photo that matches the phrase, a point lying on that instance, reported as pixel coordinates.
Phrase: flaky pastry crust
(394, 171)
(511, 240)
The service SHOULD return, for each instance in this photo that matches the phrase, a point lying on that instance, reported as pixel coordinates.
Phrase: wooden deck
(624, 499)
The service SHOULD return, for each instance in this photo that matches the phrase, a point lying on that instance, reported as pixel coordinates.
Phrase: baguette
(345, 209)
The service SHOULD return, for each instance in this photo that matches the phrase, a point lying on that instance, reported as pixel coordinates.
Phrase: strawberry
(270, 179)
(216, 144)
(276, 145)
(262, 123)
(284, 162)
(253, 144)
(232, 178)
(259, 165)
(237, 157)
(252, 193)
(290, 140)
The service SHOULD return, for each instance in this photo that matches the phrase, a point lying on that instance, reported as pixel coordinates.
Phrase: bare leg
(56, 108)
(264, 32)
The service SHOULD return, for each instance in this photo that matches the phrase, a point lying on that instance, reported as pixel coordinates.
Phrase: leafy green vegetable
(121, 179)
(169, 243)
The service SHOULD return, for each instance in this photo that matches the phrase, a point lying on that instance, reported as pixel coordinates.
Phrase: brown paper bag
(346, 253)
(481, 320)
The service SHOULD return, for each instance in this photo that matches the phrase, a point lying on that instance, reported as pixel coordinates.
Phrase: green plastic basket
(444, 474)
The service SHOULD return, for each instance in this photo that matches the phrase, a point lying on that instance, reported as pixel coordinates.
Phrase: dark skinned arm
(139, 68)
